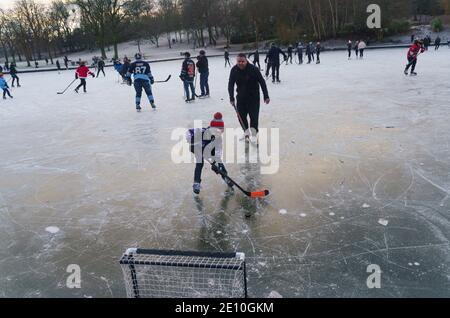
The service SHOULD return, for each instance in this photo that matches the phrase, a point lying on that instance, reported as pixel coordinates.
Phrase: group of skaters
(358, 47)
(273, 62)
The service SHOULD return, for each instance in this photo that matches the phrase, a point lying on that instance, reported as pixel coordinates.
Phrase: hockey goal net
(182, 274)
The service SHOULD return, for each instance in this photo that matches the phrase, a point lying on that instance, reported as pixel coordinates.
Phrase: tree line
(32, 31)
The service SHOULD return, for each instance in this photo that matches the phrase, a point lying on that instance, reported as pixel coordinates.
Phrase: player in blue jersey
(143, 79)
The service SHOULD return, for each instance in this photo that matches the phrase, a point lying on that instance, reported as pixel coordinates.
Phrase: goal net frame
(150, 273)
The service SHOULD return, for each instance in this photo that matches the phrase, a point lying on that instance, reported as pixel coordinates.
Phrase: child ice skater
(4, 86)
(206, 144)
(82, 73)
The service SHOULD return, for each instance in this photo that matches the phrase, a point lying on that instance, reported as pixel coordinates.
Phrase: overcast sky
(5, 4)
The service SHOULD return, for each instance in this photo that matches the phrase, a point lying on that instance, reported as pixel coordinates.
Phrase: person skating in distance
(274, 59)
(414, 51)
(206, 144)
(188, 76)
(13, 73)
(82, 73)
(4, 86)
(203, 69)
(300, 52)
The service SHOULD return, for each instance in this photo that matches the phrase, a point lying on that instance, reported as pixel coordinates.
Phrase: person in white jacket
(361, 47)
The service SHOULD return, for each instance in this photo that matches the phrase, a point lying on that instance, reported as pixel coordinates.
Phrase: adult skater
(290, 52)
(248, 80)
(226, 55)
(356, 48)
(426, 42)
(58, 66)
(66, 62)
(13, 72)
(188, 76)
(143, 79)
(206, 144)
(437, 43)
(203, 69)
(361, 47)
(4, 86)
(118, 67)
(101, 67)
(273, 57)
(414, 51)
(309, 52)
(255, 58)
(82, 73)
(349, 49)
(125, 66)
(318, 51)
(300, 52)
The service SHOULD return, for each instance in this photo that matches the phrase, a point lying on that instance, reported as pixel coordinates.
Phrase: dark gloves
(152, 80)
(219, 169)
(129, 81)
(182, 78)
(76, 76)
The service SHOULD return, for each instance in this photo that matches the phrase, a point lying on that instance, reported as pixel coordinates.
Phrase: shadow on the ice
(212, 234)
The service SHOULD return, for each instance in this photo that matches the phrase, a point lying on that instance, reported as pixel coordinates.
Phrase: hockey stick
(60, 93)
(241, 121)
(254, 194)
(168, 78)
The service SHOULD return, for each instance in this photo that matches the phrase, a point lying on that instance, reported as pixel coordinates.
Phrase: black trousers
(349, 53)
(6, 91)
(289, 58)
(82, 83)
(412, 61)
(14, 78)
(269, 66)
(276, 72)
(256, 62)
(249, 109)
(227, 61)
(200, 162)
(101, 70)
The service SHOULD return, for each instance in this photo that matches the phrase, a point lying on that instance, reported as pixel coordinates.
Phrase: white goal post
(183, 274)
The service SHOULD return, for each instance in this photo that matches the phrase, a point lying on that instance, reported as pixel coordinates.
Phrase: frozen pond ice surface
(363, 179)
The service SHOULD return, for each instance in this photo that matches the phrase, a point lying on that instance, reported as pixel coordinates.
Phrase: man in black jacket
(248, 79)
(255, 59)
(274, 59)
(101, 67)
(203, 69)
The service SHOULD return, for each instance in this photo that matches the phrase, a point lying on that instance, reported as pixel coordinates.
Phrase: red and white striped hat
(217, 122)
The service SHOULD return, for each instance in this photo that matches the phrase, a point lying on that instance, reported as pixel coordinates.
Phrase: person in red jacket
(414, 51)
(82, 73)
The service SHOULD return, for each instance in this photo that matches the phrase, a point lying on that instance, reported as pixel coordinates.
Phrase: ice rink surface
(364, 179)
